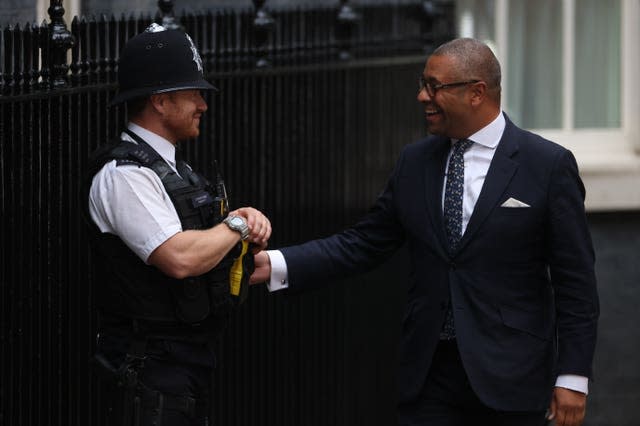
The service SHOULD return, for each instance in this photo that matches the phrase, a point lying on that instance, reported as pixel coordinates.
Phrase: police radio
(220, 201)
(243, 265)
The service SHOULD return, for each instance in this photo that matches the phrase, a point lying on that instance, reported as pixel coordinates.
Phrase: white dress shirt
(477, 159)
(132, 203)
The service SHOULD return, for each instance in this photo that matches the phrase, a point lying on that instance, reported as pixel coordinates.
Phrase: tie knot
(178, 154)
(462, 145)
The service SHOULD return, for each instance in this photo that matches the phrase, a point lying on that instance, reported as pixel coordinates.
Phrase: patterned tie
(453, 192)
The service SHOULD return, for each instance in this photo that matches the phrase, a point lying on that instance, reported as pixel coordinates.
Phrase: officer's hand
(567, 407)
(259, 226)
(262, 271)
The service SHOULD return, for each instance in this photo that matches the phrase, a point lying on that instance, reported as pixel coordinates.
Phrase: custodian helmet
(159, 60)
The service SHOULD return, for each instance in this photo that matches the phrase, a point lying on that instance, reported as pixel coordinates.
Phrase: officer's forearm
(194, 252)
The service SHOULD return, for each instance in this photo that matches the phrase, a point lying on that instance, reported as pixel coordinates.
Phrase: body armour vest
(128, 289)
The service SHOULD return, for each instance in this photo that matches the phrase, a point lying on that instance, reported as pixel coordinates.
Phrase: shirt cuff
(279, 278)
(573, 382)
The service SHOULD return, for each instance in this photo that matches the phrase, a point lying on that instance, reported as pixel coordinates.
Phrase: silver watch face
(237, 221)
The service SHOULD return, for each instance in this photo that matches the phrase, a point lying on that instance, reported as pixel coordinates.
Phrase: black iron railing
(35, 57)
(314, 105)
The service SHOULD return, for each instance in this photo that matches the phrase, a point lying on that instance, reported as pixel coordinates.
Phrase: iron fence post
(435, 13)
(263, 25)
(347, 20)
(166, 16)
(61, 41)
(8, 82)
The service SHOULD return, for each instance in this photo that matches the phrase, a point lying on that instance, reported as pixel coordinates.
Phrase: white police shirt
(132, 203)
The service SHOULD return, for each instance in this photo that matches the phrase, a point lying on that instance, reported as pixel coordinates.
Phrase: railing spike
(166, 16)
(263, 25)
(61, 41)
(347, 20)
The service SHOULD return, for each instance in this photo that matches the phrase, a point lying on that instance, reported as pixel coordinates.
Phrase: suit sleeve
(571, 267)
(361, 247)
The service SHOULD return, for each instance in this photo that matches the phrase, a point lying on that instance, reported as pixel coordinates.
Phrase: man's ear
(478, 93)
(158, 102)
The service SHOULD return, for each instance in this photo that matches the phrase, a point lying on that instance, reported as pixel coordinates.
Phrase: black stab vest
(127, 289)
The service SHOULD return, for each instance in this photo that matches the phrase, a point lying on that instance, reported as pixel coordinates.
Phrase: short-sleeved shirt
(131, 202)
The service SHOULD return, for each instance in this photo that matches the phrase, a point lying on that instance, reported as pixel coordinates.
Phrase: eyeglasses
(432, 89)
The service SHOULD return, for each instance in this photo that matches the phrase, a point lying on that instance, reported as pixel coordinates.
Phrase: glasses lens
(422, 84)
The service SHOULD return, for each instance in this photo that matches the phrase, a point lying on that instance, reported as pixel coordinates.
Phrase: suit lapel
(434, 181)
(500, 172)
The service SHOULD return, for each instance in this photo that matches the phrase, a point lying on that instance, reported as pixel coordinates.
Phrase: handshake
(259, 234)
(262, 271)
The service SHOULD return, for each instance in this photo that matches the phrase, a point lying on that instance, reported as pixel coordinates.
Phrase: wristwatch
(238, 224)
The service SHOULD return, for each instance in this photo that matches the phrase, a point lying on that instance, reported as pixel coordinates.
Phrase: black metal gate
(314, 105)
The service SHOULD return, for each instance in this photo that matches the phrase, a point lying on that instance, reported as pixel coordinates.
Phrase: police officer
(164, 241)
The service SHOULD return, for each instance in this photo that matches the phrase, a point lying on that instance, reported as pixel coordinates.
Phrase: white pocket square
(512, 202)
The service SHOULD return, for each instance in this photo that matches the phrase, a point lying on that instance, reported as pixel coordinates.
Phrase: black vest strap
(192, 195)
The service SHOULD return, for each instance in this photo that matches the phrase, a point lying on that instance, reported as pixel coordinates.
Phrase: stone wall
(615, 393)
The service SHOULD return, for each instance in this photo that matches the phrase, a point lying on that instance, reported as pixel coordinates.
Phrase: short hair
(475, 60)
(135, 106)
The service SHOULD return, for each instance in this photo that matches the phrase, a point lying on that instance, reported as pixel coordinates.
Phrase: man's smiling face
(448, 110)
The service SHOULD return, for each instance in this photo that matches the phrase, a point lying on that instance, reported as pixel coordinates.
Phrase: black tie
(181, 165)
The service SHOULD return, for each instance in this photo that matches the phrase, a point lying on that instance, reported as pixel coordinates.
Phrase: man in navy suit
(501, 316)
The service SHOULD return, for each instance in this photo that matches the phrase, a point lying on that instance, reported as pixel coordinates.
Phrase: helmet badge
(196, 55)
(155, 28)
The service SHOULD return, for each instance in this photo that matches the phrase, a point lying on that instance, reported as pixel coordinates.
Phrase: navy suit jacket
(521, 283)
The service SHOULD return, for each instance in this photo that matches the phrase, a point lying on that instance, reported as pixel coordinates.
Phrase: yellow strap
(235, 275)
